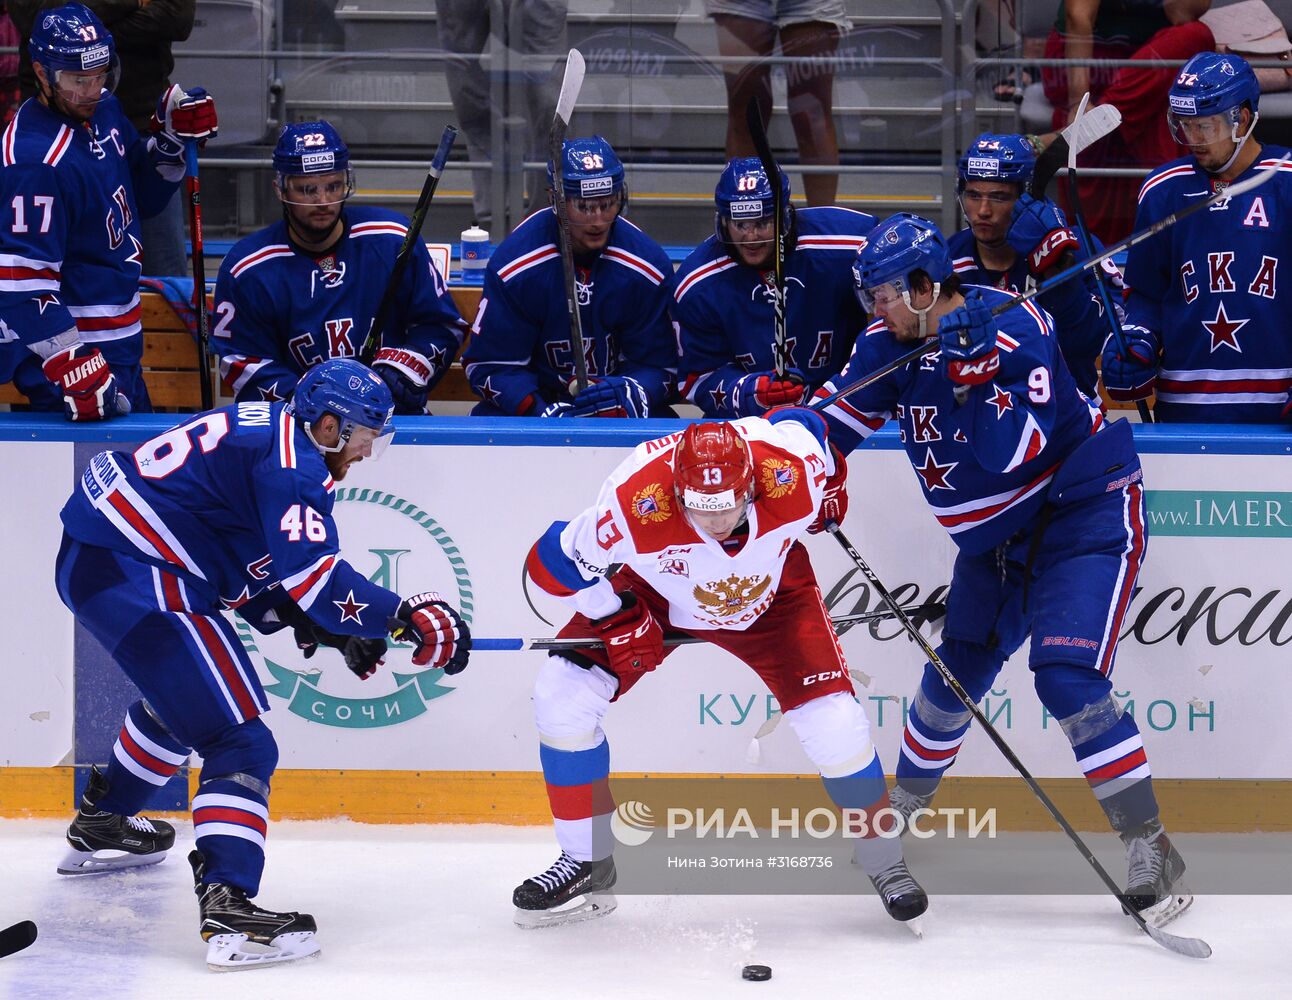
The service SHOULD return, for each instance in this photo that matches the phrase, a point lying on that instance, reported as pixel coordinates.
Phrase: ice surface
(425, 911)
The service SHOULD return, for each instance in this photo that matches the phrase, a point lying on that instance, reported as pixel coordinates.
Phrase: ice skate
(902, 896)
(905, 803)
(1153, 887)
(240, 935)
(100, 842)
(566, 893)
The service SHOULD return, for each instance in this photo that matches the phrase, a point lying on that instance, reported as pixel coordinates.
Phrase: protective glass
(587, 210)
(1189, 130)
(370, 442)
(311, 191)
(85, 88)
(885, 295)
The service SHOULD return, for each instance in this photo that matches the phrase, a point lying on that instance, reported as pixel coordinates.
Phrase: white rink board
(698, 713)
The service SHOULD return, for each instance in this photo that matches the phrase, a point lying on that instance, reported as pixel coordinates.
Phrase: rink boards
(455, 505)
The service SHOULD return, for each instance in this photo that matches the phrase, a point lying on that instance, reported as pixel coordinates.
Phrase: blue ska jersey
(726, 319)
(73, 194)
(1208, 287)
(984, 464)
(1075, 306)
(520, 357)
(237, 503)
(279, 311)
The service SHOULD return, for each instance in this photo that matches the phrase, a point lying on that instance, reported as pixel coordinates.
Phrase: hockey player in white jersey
(705, 526)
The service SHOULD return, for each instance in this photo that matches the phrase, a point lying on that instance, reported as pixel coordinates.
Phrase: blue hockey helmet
(72, 39)
(589, 169)
(1009, 159)
(743, 191)
(305, 149)
(353, 393)
(901, 244)
(1211, 84)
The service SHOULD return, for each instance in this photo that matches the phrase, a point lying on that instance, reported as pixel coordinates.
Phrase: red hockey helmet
(713, 469)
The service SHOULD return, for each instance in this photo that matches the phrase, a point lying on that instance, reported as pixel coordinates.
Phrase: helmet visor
(313, 190)
(370, 442)
(1194, 130)
(84, 88)
(887, 294)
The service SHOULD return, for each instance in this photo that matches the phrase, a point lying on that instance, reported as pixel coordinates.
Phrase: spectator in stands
(76, 180)
(521, 360)
(808, 31)
(724, 301)
(10, 95)
(530, 32)
(143, 31)
(1207, 317)
(307, 288)
(1121, 29)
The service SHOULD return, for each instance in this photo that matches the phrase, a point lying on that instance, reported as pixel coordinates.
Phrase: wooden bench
(171, 369)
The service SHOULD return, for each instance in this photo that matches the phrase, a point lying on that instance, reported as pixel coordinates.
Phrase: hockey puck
(756, 973)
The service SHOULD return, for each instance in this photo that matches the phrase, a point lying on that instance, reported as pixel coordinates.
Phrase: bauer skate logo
(397, 536)
(632, 823)
(732, 595)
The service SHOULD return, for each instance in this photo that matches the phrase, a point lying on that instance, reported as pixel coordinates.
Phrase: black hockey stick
(932, 344)
(758, 133)
(194, 187)
(841, 623)
(405, 254)
(1190, 947)
(17, 937)
(1088, 246)
(570, 87)
(1080, 134)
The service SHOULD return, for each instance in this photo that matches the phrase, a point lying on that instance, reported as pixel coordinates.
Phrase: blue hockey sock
(230, 820)
(144, 758)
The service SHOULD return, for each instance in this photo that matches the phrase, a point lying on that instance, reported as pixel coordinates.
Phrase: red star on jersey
(487, 392)
(1001, 400)
(719, 397)
(43, 301)
(934, 475)
(269, 394)
(350, 609)
(1223, 330)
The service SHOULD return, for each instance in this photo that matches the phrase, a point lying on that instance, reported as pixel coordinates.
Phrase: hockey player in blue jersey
(723, 302)
(306, 288)
(1206, 316)
(231, 509)
(1015, 241)
(1045, 502)
(520, 362)
(76, 180)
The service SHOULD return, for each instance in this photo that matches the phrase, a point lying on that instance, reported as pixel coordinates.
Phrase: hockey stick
(1080, 134)
(17, 937)
(405, 254)
(1088, 246)
(934, 609)
(932, 344)
(570, 87)
(1191, 947)
(758, 132)
(193, 185)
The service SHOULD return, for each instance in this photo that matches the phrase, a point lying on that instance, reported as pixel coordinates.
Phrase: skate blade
(915, 925)
(589, 907)
(101, 862)
(235, 952)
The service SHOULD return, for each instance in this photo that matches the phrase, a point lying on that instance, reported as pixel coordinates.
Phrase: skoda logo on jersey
(405, 547)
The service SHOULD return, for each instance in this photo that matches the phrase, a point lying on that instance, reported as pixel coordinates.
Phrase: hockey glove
(634, 640)
(834, 502)
(408, 374)
(441, 636)
(1132, 376)
(1040, 233)
(968, 337)
(362, 655)
(756, 393)
(611, 396)
(558, 410)
(190, 117)
(90, 390)
(168, 157)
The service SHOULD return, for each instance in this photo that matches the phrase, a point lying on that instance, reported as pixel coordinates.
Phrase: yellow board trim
(519, 798)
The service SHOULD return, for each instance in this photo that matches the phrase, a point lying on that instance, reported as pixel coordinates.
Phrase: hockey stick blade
(758, 133)
(1186, 946)
(17, 937)
(934, 609)
(575, 68)
(1079, 135)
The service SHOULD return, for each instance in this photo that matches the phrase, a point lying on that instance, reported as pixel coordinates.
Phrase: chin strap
(923, 314)
(1239, 143)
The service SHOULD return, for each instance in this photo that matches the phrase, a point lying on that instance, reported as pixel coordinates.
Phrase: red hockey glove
(633, 638)
(1039, 231)
(90, 390)
(442, 637)
(968, 337)
(834, 503)
(188, 116)
(755, 394)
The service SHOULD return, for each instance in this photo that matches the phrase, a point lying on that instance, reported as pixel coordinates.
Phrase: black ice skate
(101, 842)
(239, 934)
(1153, 886)
(567, 892)
(902, 896)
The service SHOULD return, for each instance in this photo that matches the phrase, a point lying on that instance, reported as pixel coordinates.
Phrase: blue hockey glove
(968, 337)
(558, 410)
(1132, 376)
(1039, 232)
(611, 396)
(756, 393)
(408, 374)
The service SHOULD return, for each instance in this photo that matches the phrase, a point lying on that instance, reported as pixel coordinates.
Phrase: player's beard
(312, 225)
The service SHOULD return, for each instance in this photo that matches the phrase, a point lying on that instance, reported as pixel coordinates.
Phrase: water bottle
(474, 249)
